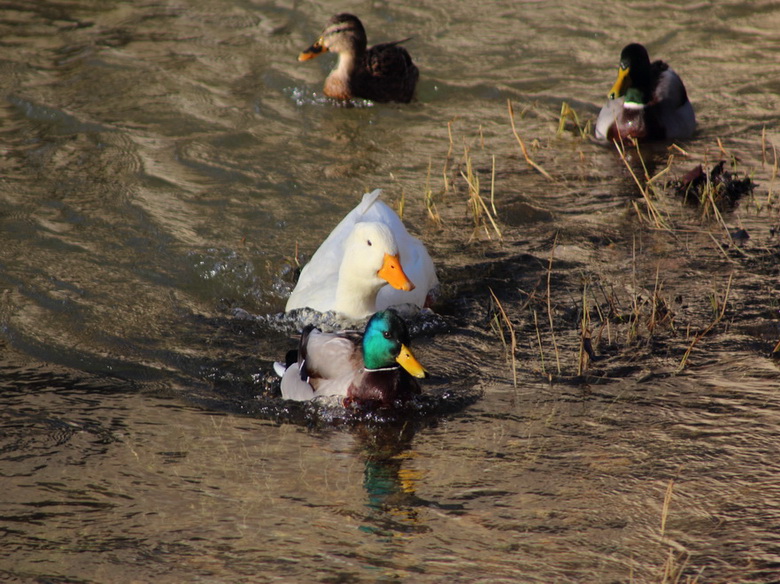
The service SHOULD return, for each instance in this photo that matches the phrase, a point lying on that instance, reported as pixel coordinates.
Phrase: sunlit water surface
(163, 162)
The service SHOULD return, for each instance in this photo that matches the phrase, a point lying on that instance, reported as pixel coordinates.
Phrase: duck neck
(339, 82)
(355, 297)
(348, 63)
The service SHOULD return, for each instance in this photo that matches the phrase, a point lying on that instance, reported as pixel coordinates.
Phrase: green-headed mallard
(647, 102)
(382, 73)
(377, 368)
(368, 263)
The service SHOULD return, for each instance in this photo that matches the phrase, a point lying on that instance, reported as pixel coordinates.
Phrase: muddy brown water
(162, 163)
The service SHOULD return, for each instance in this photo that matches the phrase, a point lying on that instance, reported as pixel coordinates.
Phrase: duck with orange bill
(369, 262)
(382, 73)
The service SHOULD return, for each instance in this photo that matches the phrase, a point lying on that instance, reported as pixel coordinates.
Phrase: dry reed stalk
(665, 508)
(604, 326)
(763, 146)
(430, 206)
(722, 250)
(493, 187)
(673, 568)
(722, 148)
(478, 205)
(568, 113)
(524, 150)
(445, 170)
(549, 306)
(656, 293)
(772, 178)
(539, 340)
(512, 337)
(585, 332)
(719, 317)
(657, 218)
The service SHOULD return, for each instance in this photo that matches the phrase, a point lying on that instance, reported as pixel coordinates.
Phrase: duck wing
(390, 73)
(324, 356)
(326, 364)
(670, 107)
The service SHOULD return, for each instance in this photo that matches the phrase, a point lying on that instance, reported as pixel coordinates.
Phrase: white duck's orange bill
(407, 360)
(393, 273)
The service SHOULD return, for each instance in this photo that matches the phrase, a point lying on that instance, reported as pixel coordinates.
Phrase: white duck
(353, 272)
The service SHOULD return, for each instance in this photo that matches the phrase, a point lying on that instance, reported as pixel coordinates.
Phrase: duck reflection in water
(391, 481)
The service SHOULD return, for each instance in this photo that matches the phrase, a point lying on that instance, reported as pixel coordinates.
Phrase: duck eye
(368, 241)
(386, 334)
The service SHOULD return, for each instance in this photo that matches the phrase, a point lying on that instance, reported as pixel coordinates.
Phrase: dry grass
(512, 348)
(479, 210)
(430, 205)
(719, 306)
(568, 114)
(614, 313)
(549, 306)
(649, 189)
(523, 149)
(585, 349)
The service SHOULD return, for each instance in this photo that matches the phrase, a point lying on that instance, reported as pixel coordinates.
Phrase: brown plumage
(382, 73)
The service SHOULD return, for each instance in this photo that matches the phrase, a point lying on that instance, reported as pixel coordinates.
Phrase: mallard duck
(648, 101)
(369, 249)
(378, 367)
(382, 73)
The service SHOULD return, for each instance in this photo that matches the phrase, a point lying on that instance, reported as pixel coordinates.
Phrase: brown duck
(383, 73)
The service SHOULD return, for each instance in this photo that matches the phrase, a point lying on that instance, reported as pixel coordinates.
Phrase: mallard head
(344, 33)
(634, 72)
(386, 344)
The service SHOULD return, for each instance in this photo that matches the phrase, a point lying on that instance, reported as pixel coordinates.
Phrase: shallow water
(162, 164)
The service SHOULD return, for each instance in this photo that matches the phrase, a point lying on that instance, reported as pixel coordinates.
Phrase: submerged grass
(627, 317)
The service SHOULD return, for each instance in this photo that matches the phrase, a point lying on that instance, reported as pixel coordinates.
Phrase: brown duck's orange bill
(393, 273)
(312, 51)
(622, 84)
(407, 360)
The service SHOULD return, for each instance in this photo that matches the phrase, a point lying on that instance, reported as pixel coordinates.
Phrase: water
(162, 163)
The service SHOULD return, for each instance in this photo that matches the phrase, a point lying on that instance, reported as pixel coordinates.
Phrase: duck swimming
(377, 368)
(383, 73)
(647, 102)
(369, 262)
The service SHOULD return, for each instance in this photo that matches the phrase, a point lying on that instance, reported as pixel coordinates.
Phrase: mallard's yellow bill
(621, 85)
(407, 360)
(312, 51)
(393, 273)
